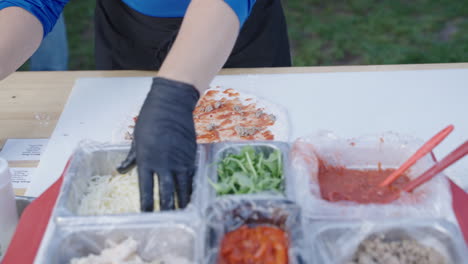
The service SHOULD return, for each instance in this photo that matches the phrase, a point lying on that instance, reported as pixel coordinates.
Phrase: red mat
(35, 218)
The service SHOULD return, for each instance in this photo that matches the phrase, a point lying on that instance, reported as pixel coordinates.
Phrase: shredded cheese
(114, 194)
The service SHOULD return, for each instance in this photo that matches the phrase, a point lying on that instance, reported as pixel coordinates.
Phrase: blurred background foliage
(353, 32)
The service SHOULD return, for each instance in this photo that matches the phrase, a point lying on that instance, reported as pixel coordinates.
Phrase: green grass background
(337, 32)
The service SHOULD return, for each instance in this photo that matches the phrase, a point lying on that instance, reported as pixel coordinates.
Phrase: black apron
(128, 40)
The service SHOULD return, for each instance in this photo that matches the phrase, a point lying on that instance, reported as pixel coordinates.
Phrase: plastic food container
(324, 234)
(69, 235)
(219, 151)
(389, 150)
(336, 242)
(8, 212)
(168, 237)
(229, 213)
(92, 159)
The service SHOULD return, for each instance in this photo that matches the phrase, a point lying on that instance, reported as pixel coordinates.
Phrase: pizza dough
(224, 114)
(229, 115)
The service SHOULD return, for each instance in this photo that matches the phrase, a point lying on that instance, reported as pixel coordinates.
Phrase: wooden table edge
(279, 70)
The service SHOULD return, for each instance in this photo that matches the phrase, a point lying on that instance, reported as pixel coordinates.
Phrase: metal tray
(22, 202)
(101, 159)
(180, 239)
(335, 242)
(230, 213)
(219, 151)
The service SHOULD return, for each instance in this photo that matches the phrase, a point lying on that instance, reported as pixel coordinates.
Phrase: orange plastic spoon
(421, 152)
(451, 158)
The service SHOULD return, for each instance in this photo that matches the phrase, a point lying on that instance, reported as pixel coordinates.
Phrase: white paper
(21, 177)
(418, 103)
(23, 149)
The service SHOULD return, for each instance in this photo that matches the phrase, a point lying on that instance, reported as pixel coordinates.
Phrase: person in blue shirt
(52, 54)
(188, 42)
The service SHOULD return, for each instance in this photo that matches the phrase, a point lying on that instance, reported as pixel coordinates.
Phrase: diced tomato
(259, 245)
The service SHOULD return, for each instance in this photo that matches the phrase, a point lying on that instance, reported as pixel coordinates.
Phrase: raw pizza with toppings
(229, 115)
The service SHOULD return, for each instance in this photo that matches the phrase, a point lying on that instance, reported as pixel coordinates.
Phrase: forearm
(205, 40)
(20, 35)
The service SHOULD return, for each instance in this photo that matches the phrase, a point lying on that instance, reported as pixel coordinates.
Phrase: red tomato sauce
(259, 245)
(362, 186)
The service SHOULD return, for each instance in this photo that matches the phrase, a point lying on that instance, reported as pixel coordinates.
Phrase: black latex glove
(165, 144)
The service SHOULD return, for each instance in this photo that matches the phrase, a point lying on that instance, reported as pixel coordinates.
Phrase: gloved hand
(165, 144)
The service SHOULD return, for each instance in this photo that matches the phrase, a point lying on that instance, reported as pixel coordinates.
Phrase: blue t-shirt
(48, 11)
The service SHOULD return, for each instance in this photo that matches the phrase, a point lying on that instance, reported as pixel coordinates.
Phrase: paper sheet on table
(417, 103)
(23, 156)
(27, 149)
